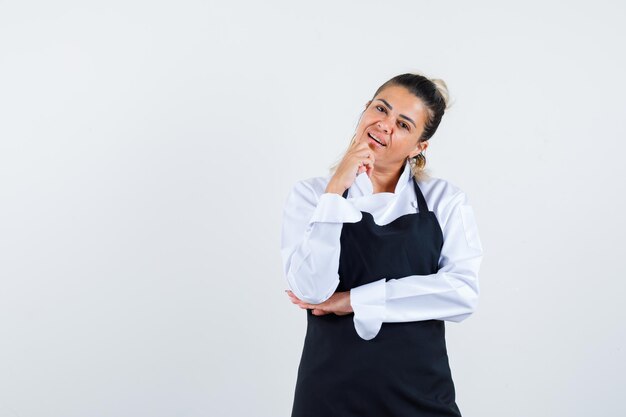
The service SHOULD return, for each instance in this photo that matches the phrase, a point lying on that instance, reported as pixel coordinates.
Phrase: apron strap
(421, 201)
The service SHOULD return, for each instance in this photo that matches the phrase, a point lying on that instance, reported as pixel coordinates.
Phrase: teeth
(376, 139)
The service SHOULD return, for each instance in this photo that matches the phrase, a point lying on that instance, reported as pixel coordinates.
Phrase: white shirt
(310, 247)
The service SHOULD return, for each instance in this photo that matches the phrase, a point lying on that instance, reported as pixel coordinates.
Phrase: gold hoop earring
(418, 159)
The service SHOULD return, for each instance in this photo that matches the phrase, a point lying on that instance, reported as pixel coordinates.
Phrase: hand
(338, 303)
(359, 158)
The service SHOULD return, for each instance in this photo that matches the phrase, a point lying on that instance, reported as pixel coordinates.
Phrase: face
(396, 118)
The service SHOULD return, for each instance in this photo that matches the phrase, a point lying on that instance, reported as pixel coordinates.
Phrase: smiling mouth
(376, 139)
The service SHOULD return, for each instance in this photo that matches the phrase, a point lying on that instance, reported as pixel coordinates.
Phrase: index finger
(356, 145)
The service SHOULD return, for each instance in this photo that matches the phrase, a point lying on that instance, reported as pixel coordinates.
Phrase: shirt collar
(364, 184)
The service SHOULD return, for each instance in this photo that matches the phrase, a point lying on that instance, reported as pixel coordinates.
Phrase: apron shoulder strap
(421, 201)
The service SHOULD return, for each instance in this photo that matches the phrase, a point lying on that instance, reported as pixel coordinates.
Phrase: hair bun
(442, 88)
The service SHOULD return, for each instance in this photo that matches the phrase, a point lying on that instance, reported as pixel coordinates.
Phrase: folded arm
(450, 294)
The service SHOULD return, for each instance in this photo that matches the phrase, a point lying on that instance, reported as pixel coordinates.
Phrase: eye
(404, 125)
(381, 107)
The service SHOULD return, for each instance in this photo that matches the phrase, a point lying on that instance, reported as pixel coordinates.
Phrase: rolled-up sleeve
(450, 294)
(310, 241)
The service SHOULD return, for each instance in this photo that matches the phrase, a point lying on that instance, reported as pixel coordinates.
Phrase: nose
(382, 125)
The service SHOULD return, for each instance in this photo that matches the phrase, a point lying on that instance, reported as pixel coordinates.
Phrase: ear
(367, 104)
(420, 147)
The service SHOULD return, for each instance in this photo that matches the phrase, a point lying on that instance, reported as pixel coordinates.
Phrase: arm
(310, 245)
(450, 294)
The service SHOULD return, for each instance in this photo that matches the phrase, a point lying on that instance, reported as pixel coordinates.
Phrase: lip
(379, 136)
(373, 143)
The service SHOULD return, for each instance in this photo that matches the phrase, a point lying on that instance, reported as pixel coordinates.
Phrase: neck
(385, 179)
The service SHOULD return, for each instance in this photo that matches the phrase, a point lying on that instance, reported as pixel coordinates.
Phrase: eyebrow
(402, 115)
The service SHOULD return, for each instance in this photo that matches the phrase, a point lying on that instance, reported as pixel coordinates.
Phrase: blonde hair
(435, 96)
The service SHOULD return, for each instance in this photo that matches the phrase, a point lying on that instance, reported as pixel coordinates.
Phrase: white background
(147, 148)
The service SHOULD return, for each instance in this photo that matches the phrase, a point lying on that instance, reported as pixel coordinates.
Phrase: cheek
(408, 142)
(370, 115)
(364, 123)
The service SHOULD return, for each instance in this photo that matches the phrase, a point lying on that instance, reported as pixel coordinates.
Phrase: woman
(380, 255)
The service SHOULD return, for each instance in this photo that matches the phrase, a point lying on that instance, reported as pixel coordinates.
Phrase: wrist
(334, 188)
(350, 309)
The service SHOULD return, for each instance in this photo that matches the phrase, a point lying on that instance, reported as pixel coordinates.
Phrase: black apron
(404, 370)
